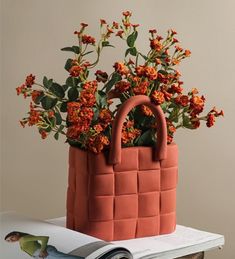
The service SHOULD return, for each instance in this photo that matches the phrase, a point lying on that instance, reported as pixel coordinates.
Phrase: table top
(184, 241)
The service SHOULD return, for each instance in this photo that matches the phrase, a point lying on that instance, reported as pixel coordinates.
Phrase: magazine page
(24, 238)
(184, 239)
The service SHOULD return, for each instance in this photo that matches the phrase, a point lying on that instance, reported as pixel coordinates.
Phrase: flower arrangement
(81, 109)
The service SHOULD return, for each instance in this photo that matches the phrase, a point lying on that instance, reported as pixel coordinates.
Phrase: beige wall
(34, 172)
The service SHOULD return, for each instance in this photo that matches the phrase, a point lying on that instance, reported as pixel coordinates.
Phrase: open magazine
(24, 238)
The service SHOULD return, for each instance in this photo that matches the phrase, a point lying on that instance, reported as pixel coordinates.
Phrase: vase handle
(160, 149)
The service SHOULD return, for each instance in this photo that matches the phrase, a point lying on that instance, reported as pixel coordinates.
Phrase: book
(50, 239)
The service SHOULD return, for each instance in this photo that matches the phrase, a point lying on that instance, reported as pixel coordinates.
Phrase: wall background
(34, 172)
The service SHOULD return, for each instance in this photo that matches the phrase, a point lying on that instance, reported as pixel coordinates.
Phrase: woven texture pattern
(135, 198)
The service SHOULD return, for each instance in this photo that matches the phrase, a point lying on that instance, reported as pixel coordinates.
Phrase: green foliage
(131, 39)
(48, 102)
(74, 49)
(115, 78)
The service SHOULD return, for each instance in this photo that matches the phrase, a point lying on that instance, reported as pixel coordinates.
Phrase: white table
(185, 242)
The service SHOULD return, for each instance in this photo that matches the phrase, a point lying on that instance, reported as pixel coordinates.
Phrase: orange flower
(151, 73)
(157, 97)
(175, 61)
(74, 131)
(140, 70)
(102, 22)
(101, 76)
(167, 95)
(87, 39)
(187, 53)
(98, 128)
(29, 81)
(146, 110)
(197, 104)
(127, 13)
(43, 134)
(97, 143)
(20, 89)
(115, 25)
(210, 120)
(120, 33)
(121, 68)
(141, 88)
(169, 139)
(152, 31)
(183, 100)
(73, 109)
(34, 117)
(194, 91)
(156, 45)
(129, 133)
(175, 89)
(90, 86)
(122, 86)
(51, 114)
(87, 98)
(84, 25)
(105, 117)
(86, 114)
(75, 71)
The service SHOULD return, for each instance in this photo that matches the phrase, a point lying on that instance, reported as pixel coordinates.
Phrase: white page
(63, 239)
(183, 237)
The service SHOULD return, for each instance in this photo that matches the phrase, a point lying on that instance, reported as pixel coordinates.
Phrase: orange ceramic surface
(124, 193)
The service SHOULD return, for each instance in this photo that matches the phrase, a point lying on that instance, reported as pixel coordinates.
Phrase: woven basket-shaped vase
(127, 192)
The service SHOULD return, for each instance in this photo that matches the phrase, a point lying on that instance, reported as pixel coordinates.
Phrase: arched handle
(160, 148)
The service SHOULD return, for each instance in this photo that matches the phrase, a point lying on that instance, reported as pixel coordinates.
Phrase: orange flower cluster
(197, 105)
(146, 111)
(141, 88)
(89, 119)
(129, 133)
(158, 97)
(121, 68)
(75, 71)
(30, 80)
(87, 39)
(146, 71)
(122, 86)
(101, 76)
(182, 100)
(97, 143)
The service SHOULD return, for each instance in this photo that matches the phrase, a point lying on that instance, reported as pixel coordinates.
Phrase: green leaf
(101, 98)
(58, 118)
(61, 128)
(132, 38)
(174, 115)
(68, 64)
(127, 52)
(88, 52)
(74, 49)
(39, 98)
(63, 107)
(57, 90)
(48, 102)
(73, 94)
(56, 136)
(146, 138)
(143, 56)
(106, 44)
(72, 81)
(133, 51)
(47, 83)
(115, 78)
(65, 87)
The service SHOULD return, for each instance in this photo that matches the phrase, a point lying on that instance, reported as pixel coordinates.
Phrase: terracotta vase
(124, 193)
